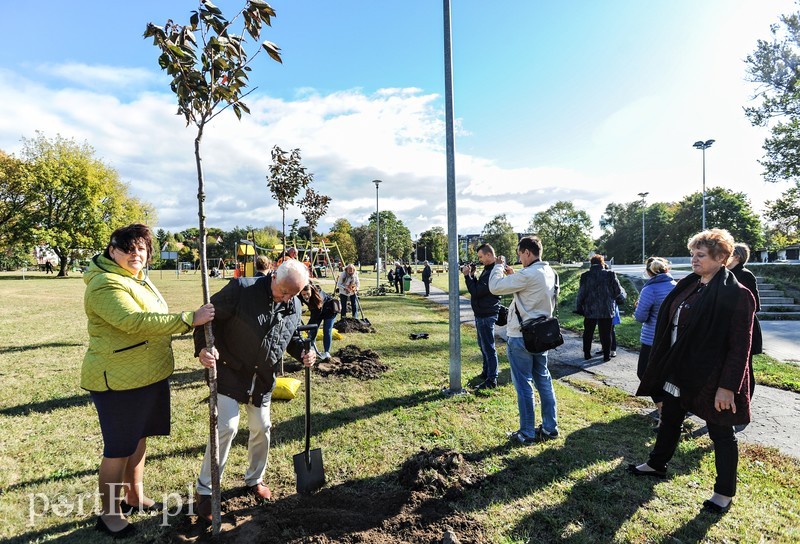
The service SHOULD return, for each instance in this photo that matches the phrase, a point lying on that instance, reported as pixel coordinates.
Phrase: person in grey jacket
(599, 290)
(256, 321)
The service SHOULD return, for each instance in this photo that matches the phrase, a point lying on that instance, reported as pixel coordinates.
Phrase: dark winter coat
(427, 273)
(598, 292)
(746, 278)
(711, 351)
(251, 334)
(484, 303)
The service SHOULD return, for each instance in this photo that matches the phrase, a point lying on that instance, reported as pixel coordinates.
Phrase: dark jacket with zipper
(711, 351)
(251, 334)
(484, 303)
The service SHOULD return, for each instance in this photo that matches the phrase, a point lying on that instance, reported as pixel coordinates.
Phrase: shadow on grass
(179, 380)
(294, 428)
(595, 506)
(17, 349)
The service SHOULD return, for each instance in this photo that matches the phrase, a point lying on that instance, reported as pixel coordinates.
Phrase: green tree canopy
(341, 234)
(564, 232)
(16, 199)
(433, 245)
(774, 67)
(77, 201)
(622, 230)
(500, 234)
(395, 237)
(725, 209)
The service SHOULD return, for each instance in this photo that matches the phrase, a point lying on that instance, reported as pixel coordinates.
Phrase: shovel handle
(308, 415)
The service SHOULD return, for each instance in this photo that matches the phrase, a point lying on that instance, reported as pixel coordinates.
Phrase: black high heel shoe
(128, 531)
(714, 508)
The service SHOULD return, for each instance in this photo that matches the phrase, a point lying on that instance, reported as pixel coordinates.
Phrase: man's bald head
(290, 278)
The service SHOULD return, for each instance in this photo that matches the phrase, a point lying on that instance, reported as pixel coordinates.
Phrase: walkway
(776, 413)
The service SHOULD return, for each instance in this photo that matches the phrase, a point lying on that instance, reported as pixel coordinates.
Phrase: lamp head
(376, 182)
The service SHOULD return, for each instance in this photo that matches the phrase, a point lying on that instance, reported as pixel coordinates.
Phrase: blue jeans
(485, 328)
(528, 369)
(353, 304)
(327, 333)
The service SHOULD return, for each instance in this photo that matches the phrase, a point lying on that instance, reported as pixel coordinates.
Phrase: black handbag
(541, 333)
(502, 316)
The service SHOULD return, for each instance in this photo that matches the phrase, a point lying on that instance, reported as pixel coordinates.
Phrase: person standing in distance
(427, 277)
(534, 289)
(485, 306)
(255, 322)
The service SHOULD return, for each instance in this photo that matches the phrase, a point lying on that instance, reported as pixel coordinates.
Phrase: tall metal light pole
(377, 182)
(643, 196)
(703, 146)
(452, 231)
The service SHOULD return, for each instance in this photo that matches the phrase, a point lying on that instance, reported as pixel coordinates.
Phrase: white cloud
(348, 138)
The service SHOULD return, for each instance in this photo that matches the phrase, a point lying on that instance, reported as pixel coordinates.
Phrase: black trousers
(644, 356)
(604, 326)
(726, 449)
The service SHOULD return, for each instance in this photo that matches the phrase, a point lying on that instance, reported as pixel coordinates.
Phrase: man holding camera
(485, 306)
(534, 288)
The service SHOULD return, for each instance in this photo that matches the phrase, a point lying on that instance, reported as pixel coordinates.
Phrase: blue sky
(586, 101)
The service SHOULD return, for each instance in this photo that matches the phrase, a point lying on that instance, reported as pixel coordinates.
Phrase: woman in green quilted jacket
(127, 366)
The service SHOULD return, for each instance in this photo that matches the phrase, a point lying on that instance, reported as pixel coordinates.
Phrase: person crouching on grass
(127, 367)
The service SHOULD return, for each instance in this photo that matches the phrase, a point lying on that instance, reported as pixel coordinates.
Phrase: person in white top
(348, 285)
(534, 290)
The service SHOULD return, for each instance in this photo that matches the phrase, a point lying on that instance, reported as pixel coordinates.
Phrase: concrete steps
(774, 303)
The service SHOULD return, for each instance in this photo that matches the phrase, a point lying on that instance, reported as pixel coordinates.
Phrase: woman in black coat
(699, 362)
(736, 264)
(598, 293)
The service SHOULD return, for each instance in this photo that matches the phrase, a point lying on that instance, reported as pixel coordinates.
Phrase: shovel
(308, 464)
(364, 320)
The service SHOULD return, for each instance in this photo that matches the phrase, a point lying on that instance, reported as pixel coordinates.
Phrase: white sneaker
(326, 356)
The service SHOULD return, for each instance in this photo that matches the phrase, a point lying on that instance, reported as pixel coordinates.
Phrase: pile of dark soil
(437, 472)
(365, 512)
(354, 362)
(349, 324)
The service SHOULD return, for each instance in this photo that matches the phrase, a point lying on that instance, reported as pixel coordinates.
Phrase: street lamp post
(377, 182)
(703, 146)
(643, 196)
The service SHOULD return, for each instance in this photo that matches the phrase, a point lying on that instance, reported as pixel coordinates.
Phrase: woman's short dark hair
(597, 259)
(742, 252)
(124, 237)
(532, 244)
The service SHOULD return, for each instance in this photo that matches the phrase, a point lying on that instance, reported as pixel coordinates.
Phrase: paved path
(776, 413)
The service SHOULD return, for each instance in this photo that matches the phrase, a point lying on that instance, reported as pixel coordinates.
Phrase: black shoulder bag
(541, 333)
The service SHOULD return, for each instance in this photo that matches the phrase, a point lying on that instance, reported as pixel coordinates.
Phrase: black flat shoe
(714, 508)
(128, 509)
(660, 474)
(126, 532)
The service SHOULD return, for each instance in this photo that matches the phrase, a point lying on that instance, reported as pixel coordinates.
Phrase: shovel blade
(309, 471)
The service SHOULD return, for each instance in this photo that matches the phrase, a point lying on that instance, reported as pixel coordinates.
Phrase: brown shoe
(261, 491)
(202, 506)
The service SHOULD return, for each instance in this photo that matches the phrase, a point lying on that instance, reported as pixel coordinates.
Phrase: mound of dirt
(349, 324)
(354, 362)
(369, 511)
(437, 472)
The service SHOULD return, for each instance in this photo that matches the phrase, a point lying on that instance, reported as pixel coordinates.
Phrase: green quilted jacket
(130, 342)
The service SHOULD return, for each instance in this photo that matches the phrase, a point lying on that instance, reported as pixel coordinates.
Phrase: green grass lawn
(573, 489)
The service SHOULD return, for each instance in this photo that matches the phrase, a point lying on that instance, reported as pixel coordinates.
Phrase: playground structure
(317, 255)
